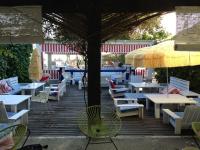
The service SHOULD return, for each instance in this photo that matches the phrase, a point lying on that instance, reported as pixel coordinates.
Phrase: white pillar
(49, 60)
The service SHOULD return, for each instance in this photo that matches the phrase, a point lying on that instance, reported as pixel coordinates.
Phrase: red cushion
(45, 78)
(112, 84)
(174, 91)
(171, 90)
(4, 88)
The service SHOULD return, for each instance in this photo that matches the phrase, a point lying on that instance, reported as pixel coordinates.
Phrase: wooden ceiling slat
(105, 5)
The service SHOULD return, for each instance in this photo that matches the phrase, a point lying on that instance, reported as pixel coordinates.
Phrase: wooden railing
(54, 74)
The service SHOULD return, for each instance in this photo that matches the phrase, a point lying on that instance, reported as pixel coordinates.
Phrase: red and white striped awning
(116, 48)
(54, 48)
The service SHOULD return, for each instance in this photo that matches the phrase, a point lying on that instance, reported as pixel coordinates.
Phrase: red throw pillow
(113, 84)
(44, 78)
(174, 91)
(4, 88)
(171, 90)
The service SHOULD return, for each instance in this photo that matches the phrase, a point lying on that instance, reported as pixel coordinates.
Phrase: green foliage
(5, 55)
(148, 30)
(191, 74)
(14, 61)
(113, 58)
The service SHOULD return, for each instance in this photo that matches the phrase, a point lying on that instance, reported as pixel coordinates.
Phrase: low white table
(159, 99)
(14, 100)
(32, 87)
(144, 85)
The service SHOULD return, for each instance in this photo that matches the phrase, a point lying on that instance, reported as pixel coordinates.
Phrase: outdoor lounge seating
(116, 90)
(183, 86)
(128, 107)
(57, 90)
(10, 86)
(11, 117)
(182, 120)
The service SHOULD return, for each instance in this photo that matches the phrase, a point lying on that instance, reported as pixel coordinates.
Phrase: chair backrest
(110, 83)
(181, 84)
(191, 114)
(3, 113)
(98, 122)
(13, 81)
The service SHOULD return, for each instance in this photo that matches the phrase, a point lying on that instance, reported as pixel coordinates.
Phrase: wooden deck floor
(60, 118)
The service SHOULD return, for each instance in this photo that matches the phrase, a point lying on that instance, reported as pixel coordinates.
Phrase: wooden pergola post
(94, 56)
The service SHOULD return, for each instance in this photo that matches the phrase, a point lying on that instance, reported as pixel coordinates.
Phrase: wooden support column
(94, 57)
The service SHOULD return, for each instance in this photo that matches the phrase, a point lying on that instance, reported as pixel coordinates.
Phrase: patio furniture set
(11, 99)
(9, 89)
(15, 105)
(131, 101)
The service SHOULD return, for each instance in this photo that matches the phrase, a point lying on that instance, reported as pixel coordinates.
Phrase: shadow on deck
(60, 118)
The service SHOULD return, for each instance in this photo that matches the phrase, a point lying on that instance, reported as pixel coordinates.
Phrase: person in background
(61, 70)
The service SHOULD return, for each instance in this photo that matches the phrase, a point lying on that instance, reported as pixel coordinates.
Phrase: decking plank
(60, 118)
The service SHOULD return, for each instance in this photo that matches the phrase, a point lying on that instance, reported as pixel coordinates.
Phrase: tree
(114, 58)
(150, 29)
(5, 55)
(15, 61)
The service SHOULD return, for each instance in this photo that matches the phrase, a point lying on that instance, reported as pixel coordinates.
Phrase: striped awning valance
(121, 48)
(116, 48)
(54, 48)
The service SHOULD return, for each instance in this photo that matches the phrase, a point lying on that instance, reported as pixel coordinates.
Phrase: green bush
(14, 61)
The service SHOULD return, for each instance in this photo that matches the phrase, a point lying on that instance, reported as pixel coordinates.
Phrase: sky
(168, 21)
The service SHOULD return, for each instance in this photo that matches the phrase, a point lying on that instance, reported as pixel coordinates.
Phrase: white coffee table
(32, 87)
(14, 100)
(159, 99)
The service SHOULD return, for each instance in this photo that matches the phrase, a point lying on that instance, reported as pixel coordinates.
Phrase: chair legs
(113, 143)
(90, 139)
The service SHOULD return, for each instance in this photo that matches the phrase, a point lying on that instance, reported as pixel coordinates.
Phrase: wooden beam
(105, 6)
(94, 57)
